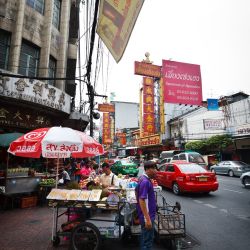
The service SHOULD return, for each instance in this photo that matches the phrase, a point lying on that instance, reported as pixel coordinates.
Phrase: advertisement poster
(116, 22)
(182, 83)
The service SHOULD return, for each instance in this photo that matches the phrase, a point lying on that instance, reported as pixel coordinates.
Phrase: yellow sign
(106, 108)
(146, 69)
(116, 21)
(150, 140)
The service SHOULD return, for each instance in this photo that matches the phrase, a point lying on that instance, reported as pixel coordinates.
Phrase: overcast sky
(212, 33)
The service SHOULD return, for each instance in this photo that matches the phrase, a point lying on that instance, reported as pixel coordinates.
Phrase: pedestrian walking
(146, 205)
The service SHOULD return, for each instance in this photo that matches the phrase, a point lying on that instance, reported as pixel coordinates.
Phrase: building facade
(232, 118)
(38, 54)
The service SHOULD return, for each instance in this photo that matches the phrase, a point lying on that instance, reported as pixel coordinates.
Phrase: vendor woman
(108, 178)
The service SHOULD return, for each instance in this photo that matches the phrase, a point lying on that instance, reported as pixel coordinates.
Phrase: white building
(233, 118)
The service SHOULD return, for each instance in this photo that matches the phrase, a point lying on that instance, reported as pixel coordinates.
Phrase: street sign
(106, 108)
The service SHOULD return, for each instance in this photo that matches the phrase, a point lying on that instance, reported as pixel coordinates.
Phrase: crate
(30, 201)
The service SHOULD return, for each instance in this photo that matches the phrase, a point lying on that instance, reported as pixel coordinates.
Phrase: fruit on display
(48, 182)
(16, 171)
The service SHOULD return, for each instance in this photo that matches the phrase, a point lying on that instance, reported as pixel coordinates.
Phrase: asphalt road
(220, 220)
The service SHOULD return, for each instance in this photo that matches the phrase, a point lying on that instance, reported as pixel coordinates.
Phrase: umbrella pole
(57, 167)
(54, 209)
(53, 224)
(6, 173)
(7, 162)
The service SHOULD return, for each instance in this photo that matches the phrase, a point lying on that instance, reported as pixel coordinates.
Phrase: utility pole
(90, 88)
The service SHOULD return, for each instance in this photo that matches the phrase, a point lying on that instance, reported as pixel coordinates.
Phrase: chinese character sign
(106, 134)
(148, 106)
(182, 83)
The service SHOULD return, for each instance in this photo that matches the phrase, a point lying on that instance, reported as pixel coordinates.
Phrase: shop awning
(6, 139)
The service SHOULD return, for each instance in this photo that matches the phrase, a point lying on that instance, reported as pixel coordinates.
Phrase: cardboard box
(30, 201)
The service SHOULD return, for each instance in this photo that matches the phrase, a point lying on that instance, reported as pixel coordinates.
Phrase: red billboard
(182, 83)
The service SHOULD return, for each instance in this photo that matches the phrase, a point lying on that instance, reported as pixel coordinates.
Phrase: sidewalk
(27, 229)
(30, 229)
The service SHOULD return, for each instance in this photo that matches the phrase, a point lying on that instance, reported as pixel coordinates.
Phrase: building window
(38, 5)
(52, 70)
(4, 49)
(29, 60)
(56, 13)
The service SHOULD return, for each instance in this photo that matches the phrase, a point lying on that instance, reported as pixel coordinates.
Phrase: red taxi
(182, 176)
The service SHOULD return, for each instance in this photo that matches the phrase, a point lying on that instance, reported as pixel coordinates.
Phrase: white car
(245, 179)
(231, 168)
(192, 157)
(163, 162)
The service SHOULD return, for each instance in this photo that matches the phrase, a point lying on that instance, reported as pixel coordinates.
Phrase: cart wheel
(56, 241)
(85, 236)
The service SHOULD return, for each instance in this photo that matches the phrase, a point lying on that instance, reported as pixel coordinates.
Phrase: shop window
(52, 70)
(4, 49)
(38, 5)
(29, 60)
(56, 13)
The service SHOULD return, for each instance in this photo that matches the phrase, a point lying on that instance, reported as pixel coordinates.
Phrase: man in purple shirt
(146, 205)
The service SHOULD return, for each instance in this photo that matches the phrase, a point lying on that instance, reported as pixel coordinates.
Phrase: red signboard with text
(106, 132)
(148, 104)
(182, 83)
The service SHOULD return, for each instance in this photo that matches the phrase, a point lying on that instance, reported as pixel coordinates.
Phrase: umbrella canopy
(55, 142)
(6, 139)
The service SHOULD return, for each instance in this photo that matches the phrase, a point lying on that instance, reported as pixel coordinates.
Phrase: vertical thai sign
(148, 104)
(116, 22)
(162, 116)
(182, 83)
(106, 133)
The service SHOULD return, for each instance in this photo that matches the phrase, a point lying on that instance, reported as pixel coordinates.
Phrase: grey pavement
(30, 229)
(27, 228)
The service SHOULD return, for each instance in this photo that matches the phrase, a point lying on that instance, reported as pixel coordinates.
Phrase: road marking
(233, 191)
(243, 217)
(224, 210)
(209, 205)
(198, 201)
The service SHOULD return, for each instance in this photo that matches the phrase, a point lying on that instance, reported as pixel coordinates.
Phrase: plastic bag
(61, 181)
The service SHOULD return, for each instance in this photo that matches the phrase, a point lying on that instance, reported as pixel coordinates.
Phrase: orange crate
(30, 201)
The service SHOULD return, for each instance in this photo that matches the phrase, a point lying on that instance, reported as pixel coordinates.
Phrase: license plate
(202, 178)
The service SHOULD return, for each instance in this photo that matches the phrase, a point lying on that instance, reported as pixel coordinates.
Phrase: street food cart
(111, 217)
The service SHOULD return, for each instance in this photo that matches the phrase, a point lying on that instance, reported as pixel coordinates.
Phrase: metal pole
(89, 86)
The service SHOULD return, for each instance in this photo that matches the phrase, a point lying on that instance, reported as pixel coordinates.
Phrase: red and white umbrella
(55, 142)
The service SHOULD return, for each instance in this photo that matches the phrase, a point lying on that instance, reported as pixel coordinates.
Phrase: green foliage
(198, 146)
(214, 143)
(219, 142)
